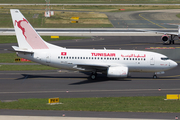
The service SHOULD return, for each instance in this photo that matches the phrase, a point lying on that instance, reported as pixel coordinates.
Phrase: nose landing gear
(154, 76)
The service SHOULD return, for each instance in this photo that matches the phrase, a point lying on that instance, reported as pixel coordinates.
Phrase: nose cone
(173, 64)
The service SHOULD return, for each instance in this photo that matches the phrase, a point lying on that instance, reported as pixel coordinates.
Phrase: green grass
(25, 67)
(40, 21)
(64, 19)
(111, 104)
(12, 39)
(96, 1)
(178, 15)
(8, 57)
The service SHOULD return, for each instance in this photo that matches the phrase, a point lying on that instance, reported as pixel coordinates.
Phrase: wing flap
(92, 67)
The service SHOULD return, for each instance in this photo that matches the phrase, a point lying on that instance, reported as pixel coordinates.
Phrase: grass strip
(178, 15)
(111, 104)
(12, 39)
(59, 20)
(96, 1)
(8, 57)
(25, 67)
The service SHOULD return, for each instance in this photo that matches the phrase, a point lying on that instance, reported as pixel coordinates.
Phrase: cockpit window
(164, 58)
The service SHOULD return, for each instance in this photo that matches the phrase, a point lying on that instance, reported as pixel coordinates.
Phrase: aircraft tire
(154, 76)
(93, 76)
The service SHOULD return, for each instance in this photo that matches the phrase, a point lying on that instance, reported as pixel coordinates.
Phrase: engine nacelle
(165, 38)
(117, 72)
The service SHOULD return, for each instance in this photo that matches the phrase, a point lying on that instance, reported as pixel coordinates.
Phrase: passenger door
(152, 60)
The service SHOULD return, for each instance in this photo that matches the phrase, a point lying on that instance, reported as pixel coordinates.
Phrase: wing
(158, 32)
(91, 67)
(166, 33)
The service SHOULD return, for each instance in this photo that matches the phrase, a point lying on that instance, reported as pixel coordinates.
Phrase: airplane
(165, 37)
(113, 63)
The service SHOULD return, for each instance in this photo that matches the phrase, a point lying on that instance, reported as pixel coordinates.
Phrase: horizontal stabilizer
(17, 49)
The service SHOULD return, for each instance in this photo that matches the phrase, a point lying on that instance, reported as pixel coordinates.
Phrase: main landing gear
(171, 41)
(93, 75)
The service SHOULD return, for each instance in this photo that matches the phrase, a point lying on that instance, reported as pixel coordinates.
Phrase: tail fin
(27, 36)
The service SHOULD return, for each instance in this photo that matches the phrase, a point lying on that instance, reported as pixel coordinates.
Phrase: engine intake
(117, 72)
(165, 38)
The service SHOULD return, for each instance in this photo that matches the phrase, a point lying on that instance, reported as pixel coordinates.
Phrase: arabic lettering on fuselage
(134, 55)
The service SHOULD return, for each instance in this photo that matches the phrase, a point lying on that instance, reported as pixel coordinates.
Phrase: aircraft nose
(173, 64)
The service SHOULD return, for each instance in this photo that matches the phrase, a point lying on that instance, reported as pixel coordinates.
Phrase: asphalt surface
(97, 115)
(48, 84)
(144, 19)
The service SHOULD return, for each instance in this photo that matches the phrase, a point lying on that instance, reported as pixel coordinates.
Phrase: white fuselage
(136, 61)
(115, 63)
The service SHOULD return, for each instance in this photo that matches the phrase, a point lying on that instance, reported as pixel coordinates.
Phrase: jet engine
(165, 38)
(117, 72)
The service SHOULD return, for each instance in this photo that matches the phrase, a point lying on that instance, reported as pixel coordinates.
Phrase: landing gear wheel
(154, 76)
(93, 76)
(172, 41)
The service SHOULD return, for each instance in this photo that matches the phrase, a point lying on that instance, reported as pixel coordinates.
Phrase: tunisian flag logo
(63, 53)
